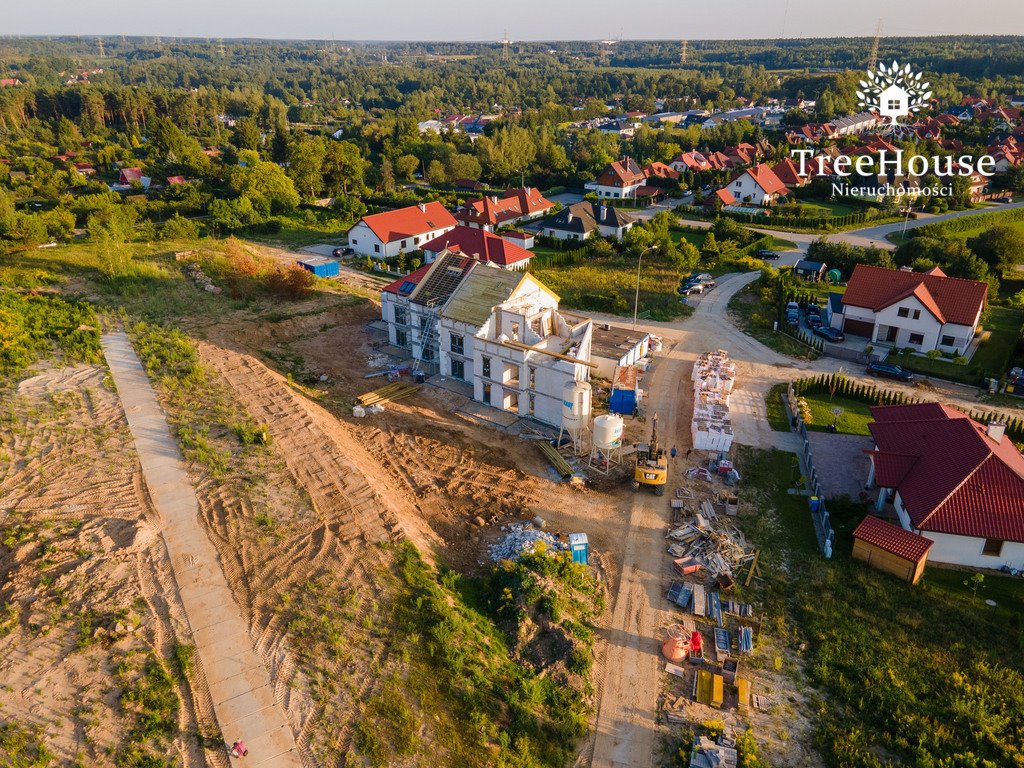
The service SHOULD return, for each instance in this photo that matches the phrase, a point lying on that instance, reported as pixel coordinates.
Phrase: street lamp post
(636, 298)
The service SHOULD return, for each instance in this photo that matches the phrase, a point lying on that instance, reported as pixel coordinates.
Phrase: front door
(891, 334)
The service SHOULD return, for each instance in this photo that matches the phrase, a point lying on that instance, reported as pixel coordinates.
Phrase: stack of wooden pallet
(391, 392)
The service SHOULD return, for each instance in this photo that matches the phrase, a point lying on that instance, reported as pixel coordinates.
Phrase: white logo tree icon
(893, 91)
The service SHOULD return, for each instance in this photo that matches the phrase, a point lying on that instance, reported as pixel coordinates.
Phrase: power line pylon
(103, 53)
(505, 47)
(683, 50)
(873, 58)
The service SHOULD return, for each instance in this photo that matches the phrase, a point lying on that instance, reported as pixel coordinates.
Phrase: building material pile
(200, 278)
(521, 538)
(387, 394)
(713, 376)
(561, 466)
(711, 542)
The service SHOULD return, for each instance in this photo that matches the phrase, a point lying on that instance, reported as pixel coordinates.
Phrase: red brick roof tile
(950, 299)
(409, 222)
(479, 244)
(893, 539)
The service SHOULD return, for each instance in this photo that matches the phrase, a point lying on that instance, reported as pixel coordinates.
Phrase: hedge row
(966, 223)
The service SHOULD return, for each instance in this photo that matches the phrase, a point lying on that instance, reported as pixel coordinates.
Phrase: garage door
(858, 327)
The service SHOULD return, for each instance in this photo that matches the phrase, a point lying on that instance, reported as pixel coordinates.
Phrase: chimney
(996, 430)
(603, 210)
(494, 199)
(423, 207)
(568, 218)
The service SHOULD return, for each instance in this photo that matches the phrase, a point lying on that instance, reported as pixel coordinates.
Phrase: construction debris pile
(713, 376)
(521, 538)
(372, 402)
(711, 543)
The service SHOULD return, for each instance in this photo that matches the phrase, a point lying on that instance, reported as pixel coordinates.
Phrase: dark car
(339, 252)
(829, 333)
(767, 255)
(889, 371)
(813, 321)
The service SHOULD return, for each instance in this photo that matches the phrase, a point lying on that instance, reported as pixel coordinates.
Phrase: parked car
(695, 289)
(766, 254)
(339, 252)
(792, 307)
(889, 371)
(813, 321)
(828, 333)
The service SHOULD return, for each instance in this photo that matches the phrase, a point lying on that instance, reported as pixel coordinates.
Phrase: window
(947, 341)
(428, 353)
(403, 243)
(355, 242)
(400, 316)
(485, 367)
(533, 378)
(533, 402)
(376, 248)
(993, 547)
(894, 104)
(423, 322)
(917, 338)
(458, 370)
(903, 312)
(916, 314)
(401, 339)
(416, 240)
(456, 344)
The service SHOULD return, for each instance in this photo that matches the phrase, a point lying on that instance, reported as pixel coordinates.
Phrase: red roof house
(949, 300)
(514, 206)
(405, 229)
(480, 245)
(958, 481)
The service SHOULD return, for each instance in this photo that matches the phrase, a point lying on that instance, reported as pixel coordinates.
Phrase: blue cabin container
(321, 267)
(580, 548)
(622, 401)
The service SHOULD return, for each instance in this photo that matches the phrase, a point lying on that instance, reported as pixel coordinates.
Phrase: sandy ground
(82, 569)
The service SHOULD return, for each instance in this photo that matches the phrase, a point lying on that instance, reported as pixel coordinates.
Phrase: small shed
(890, 548)
(320, 266)
(809, 271)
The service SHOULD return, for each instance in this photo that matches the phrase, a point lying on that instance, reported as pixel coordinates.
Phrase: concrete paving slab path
(239, 682)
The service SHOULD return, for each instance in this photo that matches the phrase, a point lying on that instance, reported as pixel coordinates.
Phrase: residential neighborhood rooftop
(949, 299)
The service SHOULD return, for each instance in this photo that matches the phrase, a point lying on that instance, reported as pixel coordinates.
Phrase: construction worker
(238, 749)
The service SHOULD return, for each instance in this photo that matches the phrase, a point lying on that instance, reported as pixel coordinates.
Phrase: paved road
(240, 684)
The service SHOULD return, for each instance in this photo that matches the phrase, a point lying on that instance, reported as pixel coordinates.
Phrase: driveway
(841, 463)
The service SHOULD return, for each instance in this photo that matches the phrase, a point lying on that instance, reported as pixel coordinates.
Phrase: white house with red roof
(516, 205)
(623, 179)
(955, 481)
(480, 245)
(920, 310)
(406, 229)
(757, 186)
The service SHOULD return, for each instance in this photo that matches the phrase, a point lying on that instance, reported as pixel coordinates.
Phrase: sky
(522, 19)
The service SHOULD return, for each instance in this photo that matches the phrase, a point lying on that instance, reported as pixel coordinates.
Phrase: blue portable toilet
(321, 267)
(814, 503)
(580, 548)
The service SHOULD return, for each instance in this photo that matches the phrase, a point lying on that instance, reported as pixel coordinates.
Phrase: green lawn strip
(925, 675)
(853, 420)
(755, 319)
(775, 407)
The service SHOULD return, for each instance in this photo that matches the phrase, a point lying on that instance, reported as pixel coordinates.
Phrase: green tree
(344, 168)
(1000, 247)
(267, 186)
(246, 134)
(406, 166)
(112, 230)
(306, 165)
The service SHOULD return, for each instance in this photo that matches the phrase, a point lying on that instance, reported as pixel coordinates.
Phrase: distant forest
(415, 79)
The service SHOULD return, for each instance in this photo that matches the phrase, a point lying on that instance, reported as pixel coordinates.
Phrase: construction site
(354, 451)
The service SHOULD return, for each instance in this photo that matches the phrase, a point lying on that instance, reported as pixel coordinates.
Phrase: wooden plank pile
(712, 541)
(387, 394)
(555, 458)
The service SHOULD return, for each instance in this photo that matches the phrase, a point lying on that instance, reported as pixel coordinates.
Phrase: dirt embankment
(84, 578)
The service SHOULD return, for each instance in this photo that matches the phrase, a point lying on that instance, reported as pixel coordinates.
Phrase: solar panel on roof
(407, 287)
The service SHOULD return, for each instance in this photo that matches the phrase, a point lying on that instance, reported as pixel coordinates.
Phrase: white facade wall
(967, 550)
(363, 241)
(561, 234)
(933, 332)
(390, 304)
(745, 187)
(617, 192)
(616, 232)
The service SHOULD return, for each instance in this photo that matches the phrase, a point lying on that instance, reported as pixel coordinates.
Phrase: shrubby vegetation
(32, 327)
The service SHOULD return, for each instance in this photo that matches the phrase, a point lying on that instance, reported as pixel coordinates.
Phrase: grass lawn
(775, 408)
(694, 238)
(853, 420)
(608, 285)
(922, 675)
(298, 231)
(780, 244)
(991, 359)
(751, 315)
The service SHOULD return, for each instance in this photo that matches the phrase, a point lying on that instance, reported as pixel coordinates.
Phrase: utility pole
(683, 51)
(103, 54)
(873, 58)
(220, 49)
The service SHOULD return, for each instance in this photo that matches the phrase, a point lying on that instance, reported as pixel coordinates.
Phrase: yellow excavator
(651, 464)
